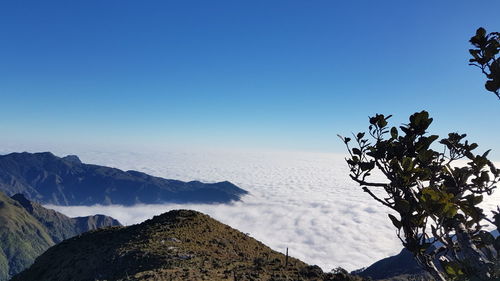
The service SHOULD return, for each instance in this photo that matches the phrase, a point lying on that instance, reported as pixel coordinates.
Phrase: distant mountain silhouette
(48, 179)
(397, 267)
(27, 229)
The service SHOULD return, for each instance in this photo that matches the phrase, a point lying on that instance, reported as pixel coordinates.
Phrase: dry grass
(178, 245)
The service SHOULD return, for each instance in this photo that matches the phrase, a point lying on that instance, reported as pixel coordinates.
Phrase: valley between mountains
(43, 244)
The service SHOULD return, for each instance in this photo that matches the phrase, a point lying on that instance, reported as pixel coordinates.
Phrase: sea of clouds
(301, 201)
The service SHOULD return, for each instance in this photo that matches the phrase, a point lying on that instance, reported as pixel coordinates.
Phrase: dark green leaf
(481, 32)
(394, 132)
(497, 244)
(403, 206)
(395, 221)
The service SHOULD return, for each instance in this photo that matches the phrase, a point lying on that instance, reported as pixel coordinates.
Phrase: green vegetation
(484, 56)
(435, 198)
(28, 229)
(178, 245)
(22, 237)
(59, 226)
(436, 201)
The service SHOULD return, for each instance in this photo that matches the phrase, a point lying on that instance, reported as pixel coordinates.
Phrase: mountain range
(48, 179)
(27, 229)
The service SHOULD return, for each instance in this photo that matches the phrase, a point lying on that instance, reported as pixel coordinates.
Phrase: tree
(484, 56)
(434, 201)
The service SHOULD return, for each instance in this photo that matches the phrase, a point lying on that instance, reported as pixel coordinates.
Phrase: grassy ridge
(22, 237)
(178, 245)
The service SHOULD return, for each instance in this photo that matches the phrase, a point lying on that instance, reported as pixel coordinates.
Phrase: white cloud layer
(303, 201)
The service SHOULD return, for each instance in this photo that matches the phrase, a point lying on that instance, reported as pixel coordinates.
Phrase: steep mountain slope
(84, 224)
(59, 226)
(22, 237)
(178, 245)
(48, 179)
(27, 230)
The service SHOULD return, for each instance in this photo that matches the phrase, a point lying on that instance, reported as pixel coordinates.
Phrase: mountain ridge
(177, 245)
(49, 179)
(28, 229)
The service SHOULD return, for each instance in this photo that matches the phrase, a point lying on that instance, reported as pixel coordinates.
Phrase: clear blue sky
(240, 74)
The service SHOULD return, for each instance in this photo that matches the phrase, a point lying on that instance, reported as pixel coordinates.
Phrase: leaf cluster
(484, 56)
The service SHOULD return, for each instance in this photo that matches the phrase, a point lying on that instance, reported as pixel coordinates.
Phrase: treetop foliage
(435, 198)
(485, 57)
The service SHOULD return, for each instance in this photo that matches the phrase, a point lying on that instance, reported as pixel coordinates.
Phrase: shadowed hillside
(399, 267)
(27, 230)
(22, 237)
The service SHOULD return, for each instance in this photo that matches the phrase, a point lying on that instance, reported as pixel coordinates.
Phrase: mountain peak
(44, 153)
(24, 155)
(27, 204)
(72, 159)
(178, 245)
(174, 216)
